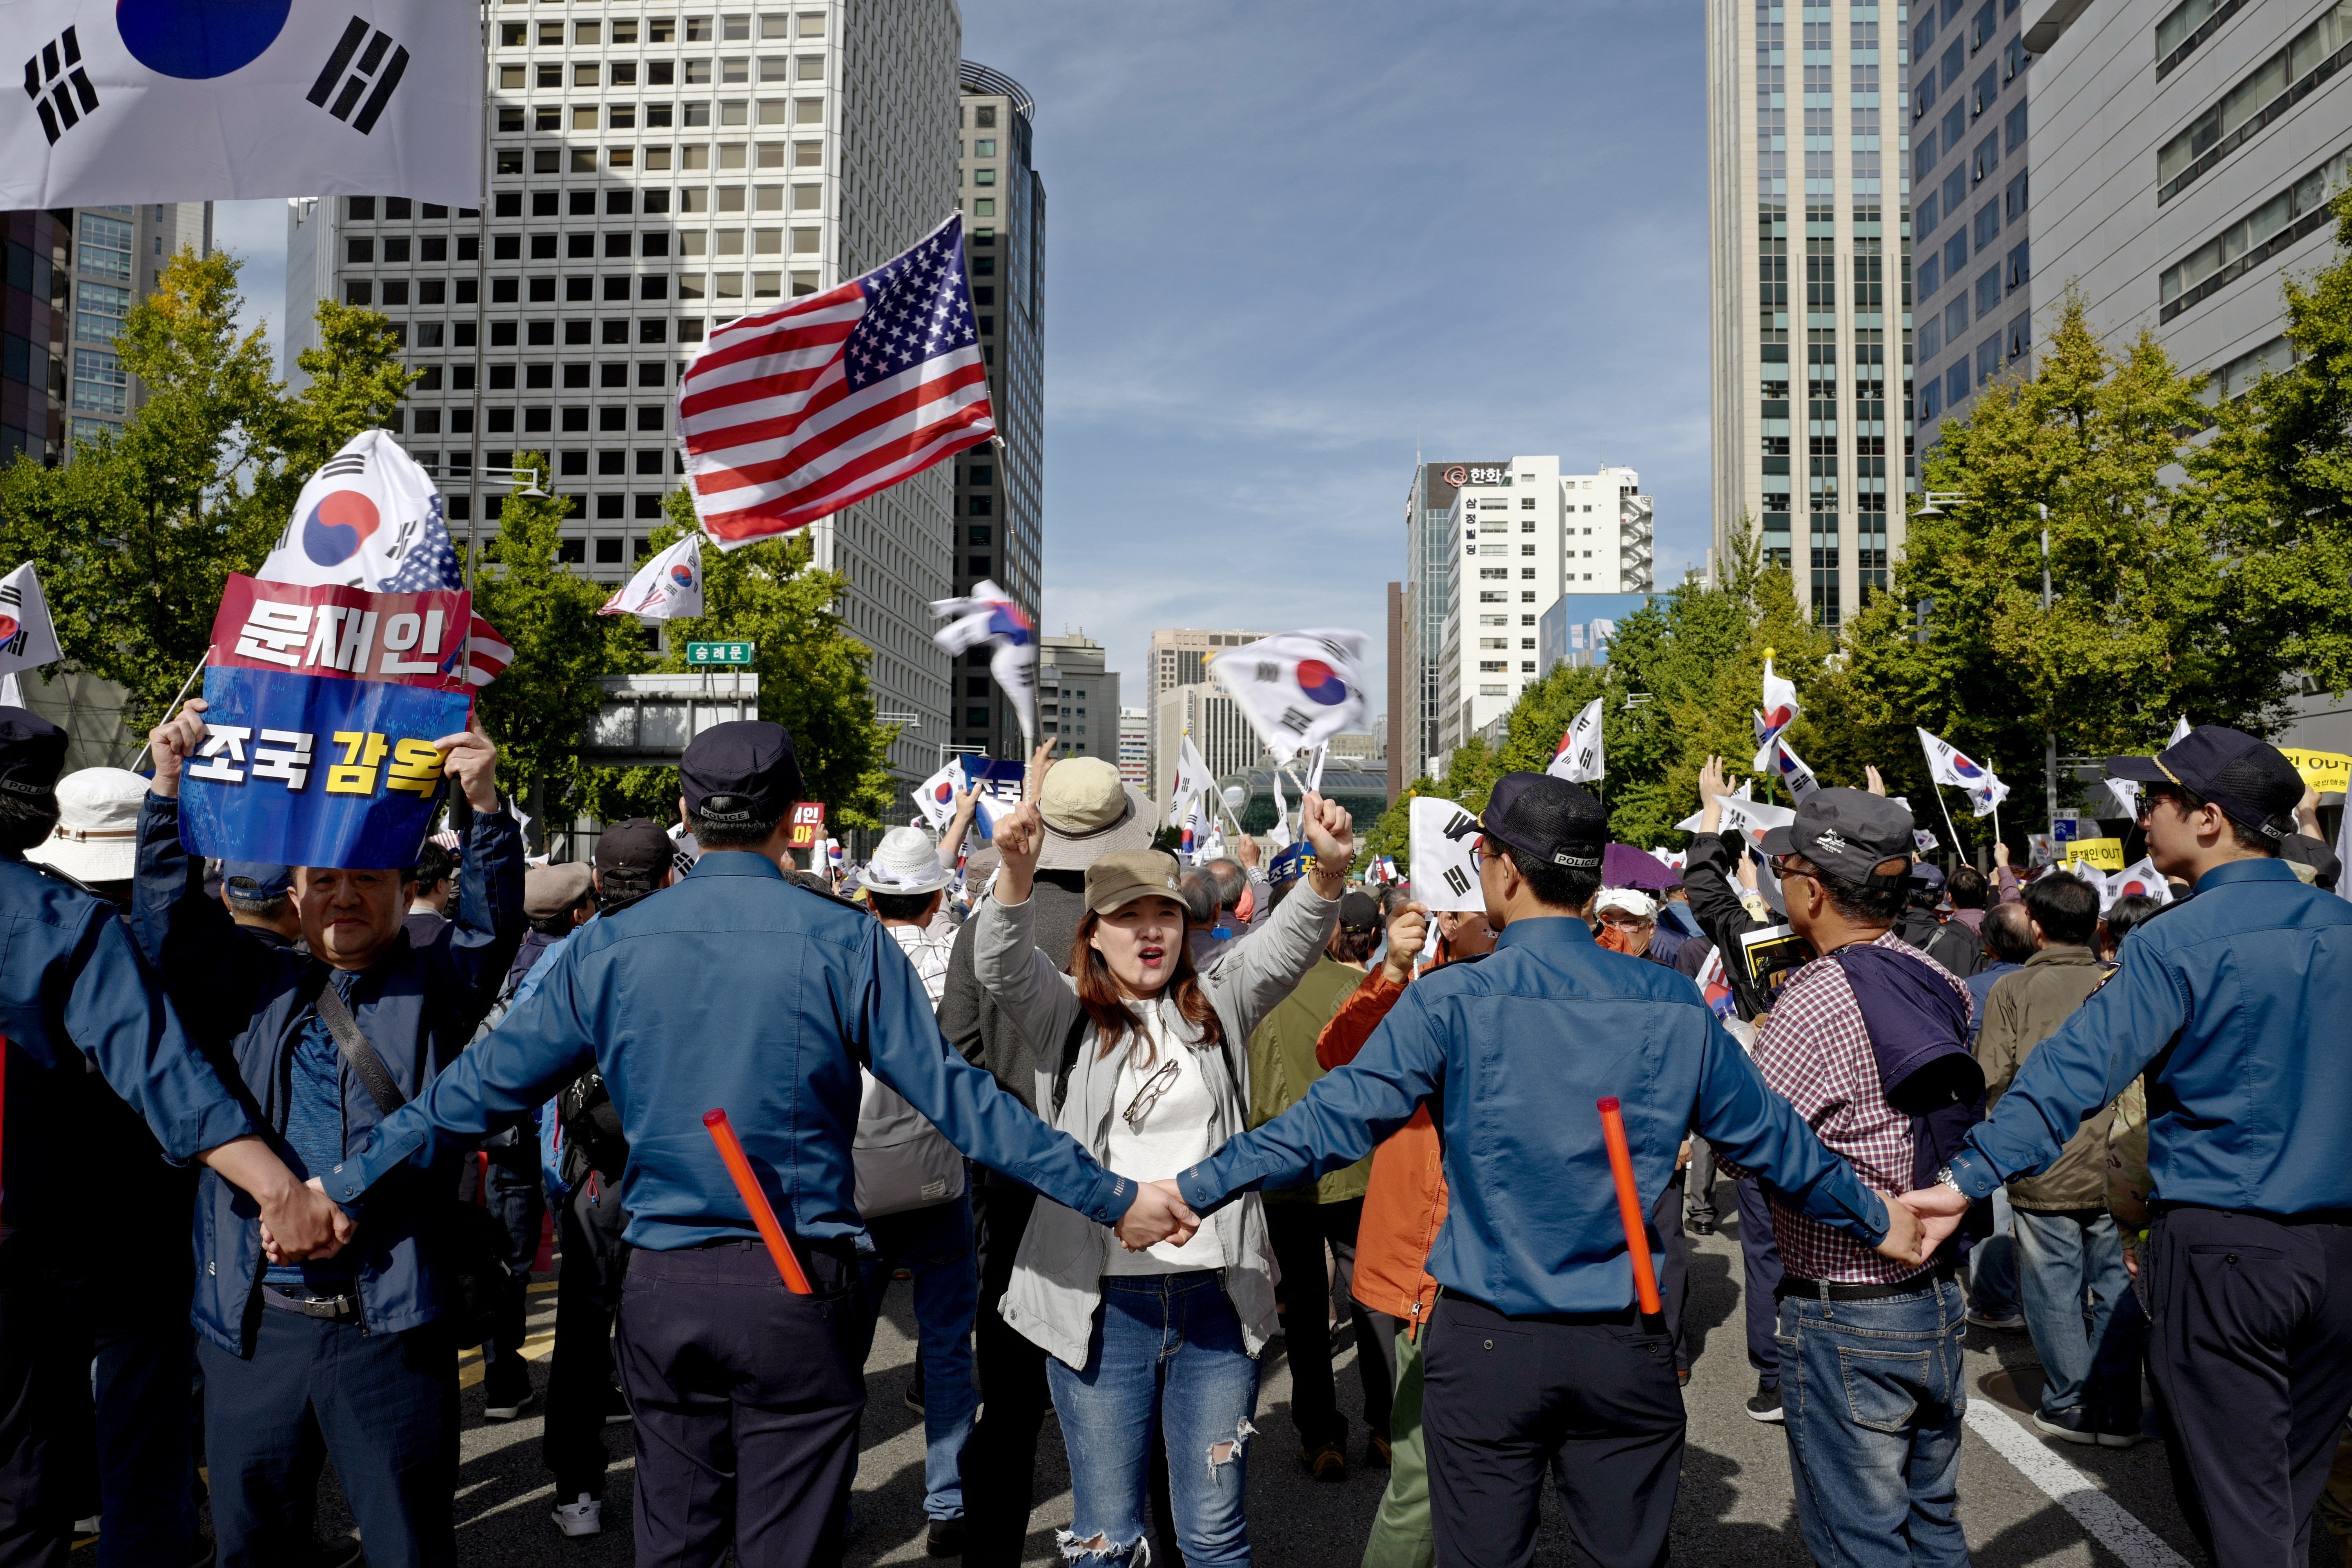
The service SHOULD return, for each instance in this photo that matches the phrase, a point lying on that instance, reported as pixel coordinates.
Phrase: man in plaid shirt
(1870, 1346)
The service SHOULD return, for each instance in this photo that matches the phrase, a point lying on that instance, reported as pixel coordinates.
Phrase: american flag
(431, 567)
(792, 414)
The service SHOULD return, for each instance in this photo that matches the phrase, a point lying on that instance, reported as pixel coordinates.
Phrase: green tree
(134, 539)
(541, 706)
(811, 674)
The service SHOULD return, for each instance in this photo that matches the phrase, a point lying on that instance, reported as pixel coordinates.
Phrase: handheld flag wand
(763, 1214)
(1629, 1211)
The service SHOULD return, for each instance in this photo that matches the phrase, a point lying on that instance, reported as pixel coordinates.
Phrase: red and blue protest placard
(322, 705)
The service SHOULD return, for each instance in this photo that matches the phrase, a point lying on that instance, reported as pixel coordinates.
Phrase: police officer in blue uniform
(74, 994)
(738, 990)
(1538, 1357)
(2234, 1004)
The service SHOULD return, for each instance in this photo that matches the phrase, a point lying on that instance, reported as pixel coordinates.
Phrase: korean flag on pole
(1578, 757)
(666, 588)
(1192, 779)
(1779, 710)
(991, 616)
(1792, 770)
(1948, 765)
(359, 520)
(1297, 687)
(26, 637)
(175, 100)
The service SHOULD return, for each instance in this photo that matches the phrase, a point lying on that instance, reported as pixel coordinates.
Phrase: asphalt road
(1735, 1507)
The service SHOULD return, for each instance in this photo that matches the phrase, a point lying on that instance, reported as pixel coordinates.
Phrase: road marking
(2103, 1519)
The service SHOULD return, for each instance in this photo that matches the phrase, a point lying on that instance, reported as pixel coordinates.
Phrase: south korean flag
(155, 100)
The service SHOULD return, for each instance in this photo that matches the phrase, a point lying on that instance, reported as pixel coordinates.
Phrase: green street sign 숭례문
(718, 653)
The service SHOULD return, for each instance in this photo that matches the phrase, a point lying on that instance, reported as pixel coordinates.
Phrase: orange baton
(763, 1214)
(1629, 1211)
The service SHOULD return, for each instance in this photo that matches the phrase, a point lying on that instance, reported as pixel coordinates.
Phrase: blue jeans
(2067, 1261)
(936, 1245)
(1167, 1351)
(1993, 1264)
(1872, 1396)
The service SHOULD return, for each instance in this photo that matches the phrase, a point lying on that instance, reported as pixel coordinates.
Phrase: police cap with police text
(1555, 821)
(32, 755)
(741, 772)
(1849, 833)
(2252, 784)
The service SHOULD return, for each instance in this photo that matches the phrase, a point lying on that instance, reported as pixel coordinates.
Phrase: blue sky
(1287, 242)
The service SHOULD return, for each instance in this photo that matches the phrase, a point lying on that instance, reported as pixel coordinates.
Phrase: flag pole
(173, 706)
(1947, 814)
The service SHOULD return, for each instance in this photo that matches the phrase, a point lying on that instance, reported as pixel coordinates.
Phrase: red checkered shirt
(1814, 1052)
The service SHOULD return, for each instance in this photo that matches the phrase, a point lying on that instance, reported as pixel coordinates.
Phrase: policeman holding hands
(1539, 1358)
(738, 990)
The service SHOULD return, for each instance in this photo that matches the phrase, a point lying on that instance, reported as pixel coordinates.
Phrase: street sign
(2067, 828)
(700, 653)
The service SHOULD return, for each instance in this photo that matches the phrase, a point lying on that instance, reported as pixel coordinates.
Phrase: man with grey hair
(260, 900)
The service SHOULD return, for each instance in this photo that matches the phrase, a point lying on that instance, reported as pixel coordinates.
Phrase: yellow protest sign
(2107, 854)
(2322, 771)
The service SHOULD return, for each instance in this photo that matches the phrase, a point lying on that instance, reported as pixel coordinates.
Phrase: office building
(1973, 281)
(1135, 747)
(1808, 166)
(117, 259)
(1577, 628)
(1180, 658)
(1219, 730)
(1419, 651)
(1393, 720)
(1522, 535)
(32, 374)
(1000, 488)
(1077, 698)
(2189, 152)
(652, 176)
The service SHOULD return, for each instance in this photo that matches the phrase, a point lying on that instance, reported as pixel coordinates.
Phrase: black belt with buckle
(1826, 1290)
(344, 1309)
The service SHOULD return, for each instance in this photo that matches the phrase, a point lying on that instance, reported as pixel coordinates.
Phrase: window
(1956, 317)
(101, 383)
(1926, 214)
(1923, 157)
(2019, 336)
(1931, 337)
(1956, 125)
(1955, 60)
(1981, 96)
(1981, 26)
(511, 122)
(550, 77)
(2186, 26)
(587, 34)
(2013, 59)
(1988, 225)
(1931, 401)
(1986, 158)
(1955, 253)
(1956, 189)
(1988, 359)
(661, 30)
(2018, 270)
(1989, 292)
(2286, 218)
(100, 310)
(1956, 385)
(1931, 277)
(106, 246)
(2255, 101)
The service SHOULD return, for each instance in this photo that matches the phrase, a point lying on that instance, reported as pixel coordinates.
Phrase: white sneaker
(586, 1517)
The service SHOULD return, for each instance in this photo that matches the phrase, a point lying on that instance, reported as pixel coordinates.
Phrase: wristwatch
(1944, 1178)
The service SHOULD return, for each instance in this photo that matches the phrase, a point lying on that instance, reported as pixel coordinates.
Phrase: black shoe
(945, 1537)
(616, 1408)
(2066, 1426)
(1765, 1405)
(1700, 1226)
(506, 1406)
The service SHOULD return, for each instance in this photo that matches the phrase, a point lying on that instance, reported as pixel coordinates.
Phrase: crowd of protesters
(1122, 1122)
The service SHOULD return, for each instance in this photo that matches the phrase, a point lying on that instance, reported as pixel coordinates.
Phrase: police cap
(32, 755)
(1559, 823)
(2249, 779)
(741, 771)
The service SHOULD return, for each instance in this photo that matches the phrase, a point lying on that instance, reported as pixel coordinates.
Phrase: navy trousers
(384, 1406)
(593, 1261)
(1760, 1275)
(2250, 1343)
(747, 1404)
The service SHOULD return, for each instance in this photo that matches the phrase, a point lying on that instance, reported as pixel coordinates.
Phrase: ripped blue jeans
(1166, 1348)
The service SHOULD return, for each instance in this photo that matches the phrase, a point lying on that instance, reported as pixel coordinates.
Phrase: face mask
(1618, 939)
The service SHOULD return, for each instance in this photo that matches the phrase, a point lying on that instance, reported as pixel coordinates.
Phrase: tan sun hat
(1118, 879)
(1088, 814)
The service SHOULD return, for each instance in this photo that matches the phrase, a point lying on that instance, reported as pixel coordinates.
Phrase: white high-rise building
(1520, 536)
(1135, 748)
(653, 174)
(1809, 266)
(115, 259)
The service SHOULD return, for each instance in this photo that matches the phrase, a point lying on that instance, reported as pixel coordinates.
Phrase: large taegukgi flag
(792, 414)
(172, 101)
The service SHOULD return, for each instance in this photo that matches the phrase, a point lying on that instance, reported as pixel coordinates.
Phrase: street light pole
(2049, 738)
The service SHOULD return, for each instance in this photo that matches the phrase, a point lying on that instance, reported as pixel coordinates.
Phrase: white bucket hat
(905, 864)
(97, 835)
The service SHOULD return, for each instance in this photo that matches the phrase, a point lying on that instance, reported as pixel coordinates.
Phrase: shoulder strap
(362, 1055)
(1071, 1042)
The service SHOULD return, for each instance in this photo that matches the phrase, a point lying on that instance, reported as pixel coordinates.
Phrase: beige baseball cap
(1118, 879)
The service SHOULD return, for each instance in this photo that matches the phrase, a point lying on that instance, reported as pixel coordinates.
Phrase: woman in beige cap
(1145, 1061)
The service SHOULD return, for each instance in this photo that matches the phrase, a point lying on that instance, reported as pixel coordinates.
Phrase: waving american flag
(794, 414)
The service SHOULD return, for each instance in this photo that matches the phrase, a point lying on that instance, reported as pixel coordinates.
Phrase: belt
(344, 1309)
(1828, 1290)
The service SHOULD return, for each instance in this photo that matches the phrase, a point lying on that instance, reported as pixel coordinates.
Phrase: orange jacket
(1405, 1202)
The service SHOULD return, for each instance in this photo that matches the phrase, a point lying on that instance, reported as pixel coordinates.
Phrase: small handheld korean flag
(1779, 710)
(1792, 771)
(666, 588)
(367, 514)
(27, 638)
(991, 616)
(2140, 877)
(1578, 757)
(175, 101)
(1297, 687)
(935, 797)
(1192, 779)
(1445, 875)
(2125, 794)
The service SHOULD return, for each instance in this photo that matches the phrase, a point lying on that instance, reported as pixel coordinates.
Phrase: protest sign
(2107, 854)
(2322, 771)
(1445, 876)
(299, 771)
(418, 639)
(808, 824)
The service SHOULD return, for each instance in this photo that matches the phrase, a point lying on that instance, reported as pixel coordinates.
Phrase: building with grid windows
(1808, 280)
(999, 494)
(1077, 698)
(654, 172)
(116, 259)
(2189, 150)
(1180, 658)
(1219, 728)
(1973, 281)
(1520, 536)
(1135, 748)
(32, 369)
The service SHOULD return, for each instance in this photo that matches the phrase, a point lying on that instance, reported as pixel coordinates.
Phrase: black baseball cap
(1544, 817)
(1359, 912)
(2248, 779)
(634, 846)
(32, 754)
(256, 881)
(743, 771)
(1848, 833)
